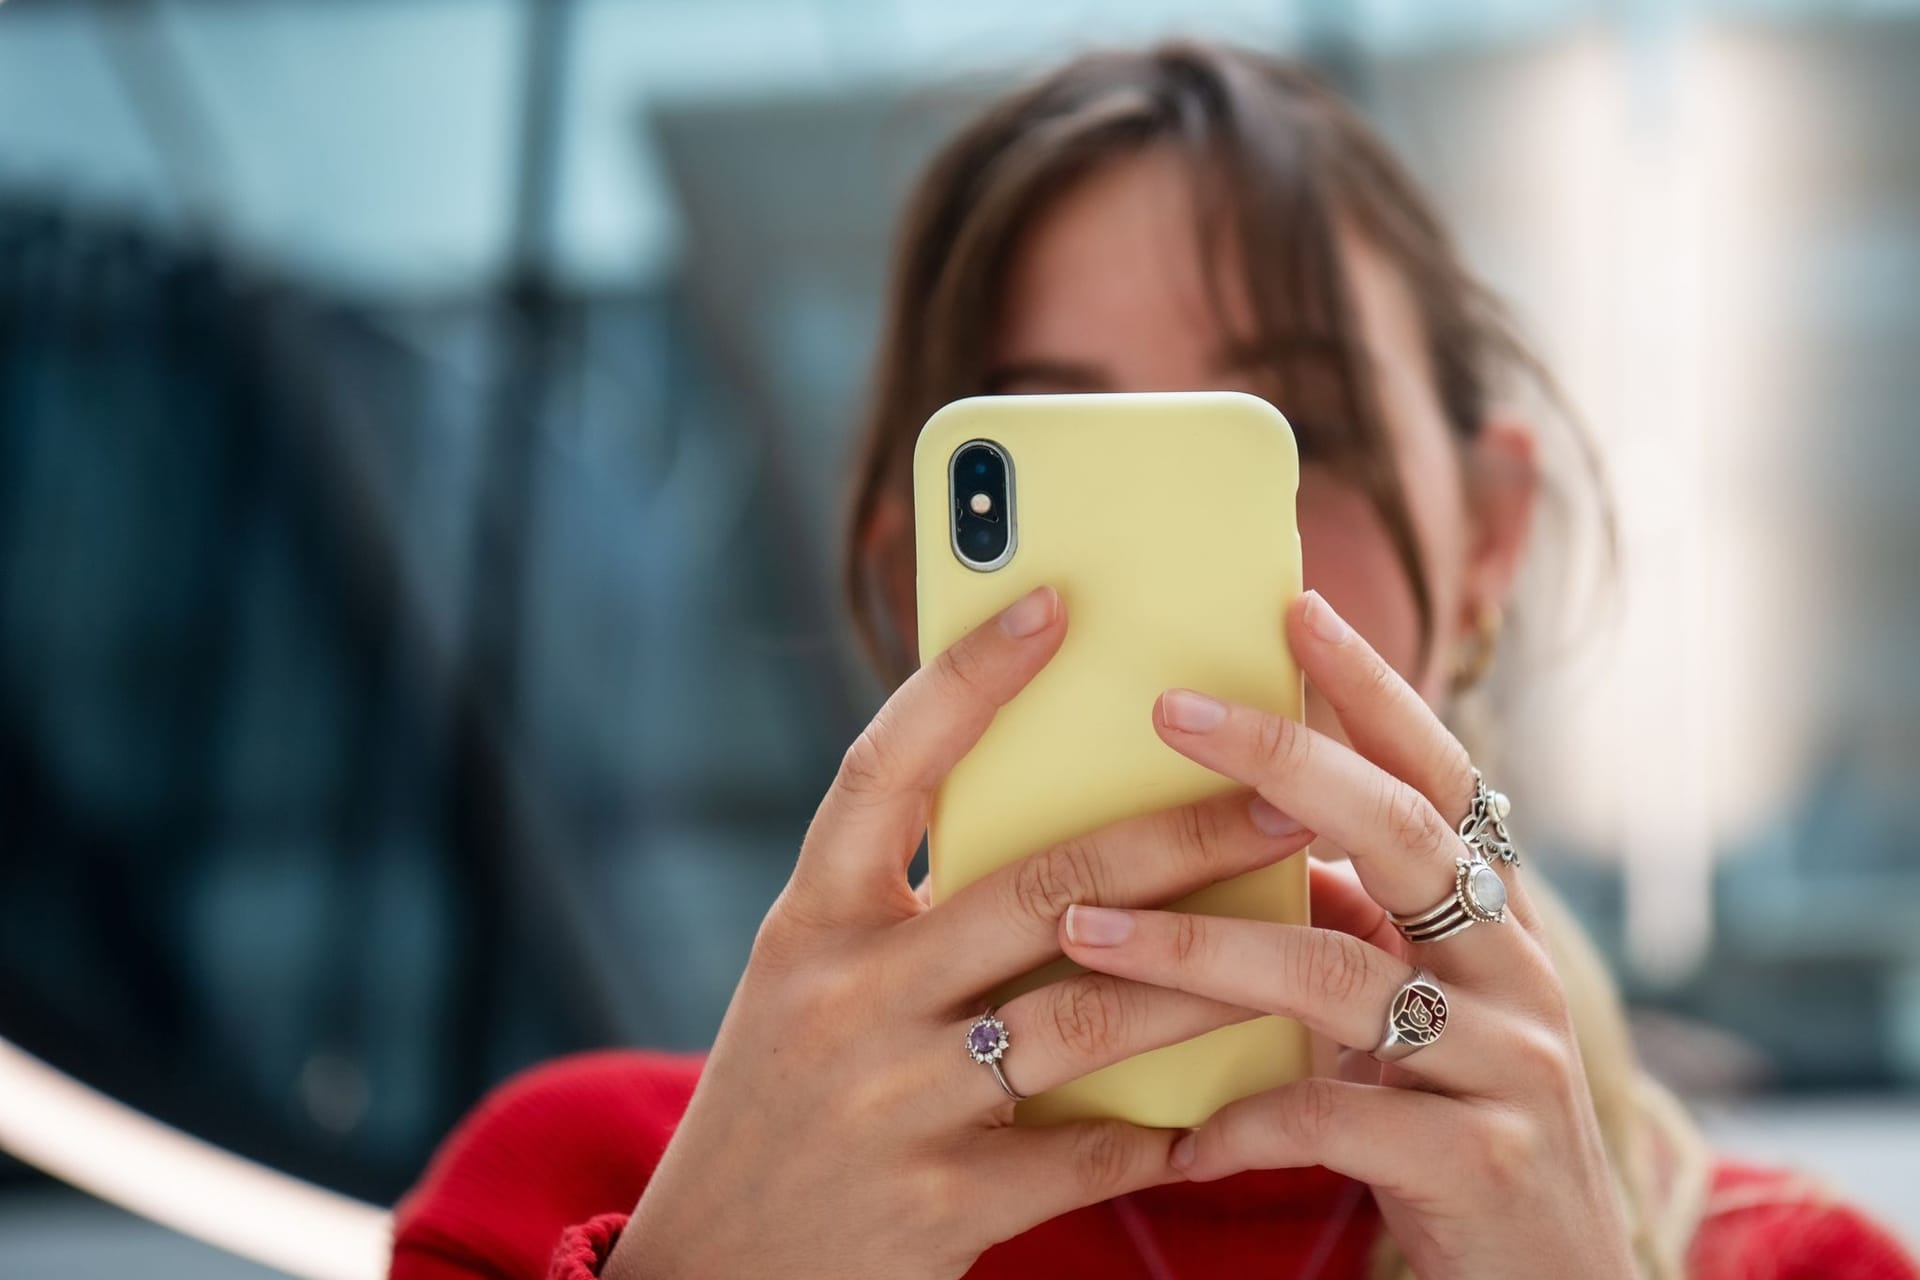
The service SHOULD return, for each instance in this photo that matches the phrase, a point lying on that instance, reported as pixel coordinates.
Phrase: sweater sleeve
(1764, 1223)
(537, 1181)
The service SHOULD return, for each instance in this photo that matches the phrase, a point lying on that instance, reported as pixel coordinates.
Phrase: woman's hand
(1482, 1147)
(839, 1127)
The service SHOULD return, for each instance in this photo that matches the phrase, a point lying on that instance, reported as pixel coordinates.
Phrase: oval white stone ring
(1479, 896)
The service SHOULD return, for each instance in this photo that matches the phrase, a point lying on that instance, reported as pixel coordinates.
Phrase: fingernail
(1270, 820)
(1098, 926)
(1323, 621)
(1182, 1155)
(1030, 614)
(1193, 712)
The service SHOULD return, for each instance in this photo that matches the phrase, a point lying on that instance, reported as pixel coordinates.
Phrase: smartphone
(1166, 523)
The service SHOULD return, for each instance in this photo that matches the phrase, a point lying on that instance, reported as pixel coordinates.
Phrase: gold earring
(1476, 653)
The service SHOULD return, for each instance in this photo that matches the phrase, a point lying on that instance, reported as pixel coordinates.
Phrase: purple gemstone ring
(987, 1042)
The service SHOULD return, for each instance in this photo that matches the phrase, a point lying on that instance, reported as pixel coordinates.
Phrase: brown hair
(1278, 160)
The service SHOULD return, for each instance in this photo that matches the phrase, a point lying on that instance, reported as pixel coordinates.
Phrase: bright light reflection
(86, 1139)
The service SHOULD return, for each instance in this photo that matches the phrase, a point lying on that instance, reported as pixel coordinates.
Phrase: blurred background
(421, 434)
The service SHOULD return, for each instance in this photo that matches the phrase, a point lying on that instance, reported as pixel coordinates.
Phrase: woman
(1179, 218)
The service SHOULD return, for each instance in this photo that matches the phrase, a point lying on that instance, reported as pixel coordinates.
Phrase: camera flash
(980, 504)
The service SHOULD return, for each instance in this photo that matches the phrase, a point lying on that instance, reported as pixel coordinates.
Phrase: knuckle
(1508, 1149)
(1088, 1017)
(1335, 968)
(1546, 1057)
(1280, 744)
(1308, 1116)
(789, 934)
(1380, 681)
(1536, 930)
(832, 991)
(1196, 832)
(941, 1191)
(1188, 939)
(1540, 939)
(1557, 1009)
(1046, 884)
(1412, 822)
(964, 668)
(876, 1094)
(1104, 1156)
(1536, 965)
(775, 943)
(866, 767)
(1448, 764)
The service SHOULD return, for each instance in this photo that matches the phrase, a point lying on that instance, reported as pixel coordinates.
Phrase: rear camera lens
(981, 505)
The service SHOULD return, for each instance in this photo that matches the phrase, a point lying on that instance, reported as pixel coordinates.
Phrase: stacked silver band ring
(987, 1042)
(1479, 894)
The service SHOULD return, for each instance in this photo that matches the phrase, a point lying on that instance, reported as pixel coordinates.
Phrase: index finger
(1387, 721)
(869, 824)
(1383, 717)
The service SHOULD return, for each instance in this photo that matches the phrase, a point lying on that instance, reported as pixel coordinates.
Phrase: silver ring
(1485, 826)
(987, 1042)
(1415, 1018)
(1479, 896)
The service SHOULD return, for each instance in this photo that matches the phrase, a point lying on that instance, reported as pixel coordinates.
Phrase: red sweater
(538, 1180)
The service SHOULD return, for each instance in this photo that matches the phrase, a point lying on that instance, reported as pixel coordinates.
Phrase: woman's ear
(1503, 487)
(890, 522)
(887, 542)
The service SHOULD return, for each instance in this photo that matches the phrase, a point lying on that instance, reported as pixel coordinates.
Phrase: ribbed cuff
(583, 1249)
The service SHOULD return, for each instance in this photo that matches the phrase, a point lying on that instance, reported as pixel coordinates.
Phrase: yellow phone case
(1166, 522)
